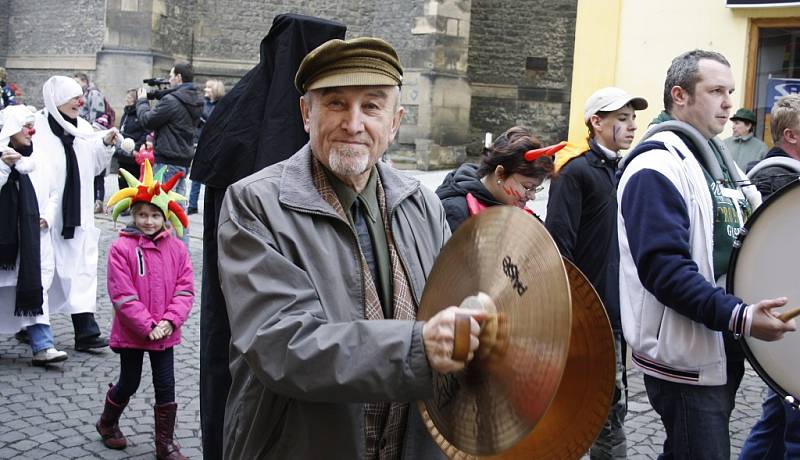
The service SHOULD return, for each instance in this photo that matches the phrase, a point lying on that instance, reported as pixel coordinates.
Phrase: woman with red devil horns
(511, 171)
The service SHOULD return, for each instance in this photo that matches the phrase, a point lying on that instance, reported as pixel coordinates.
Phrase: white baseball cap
(610, 99)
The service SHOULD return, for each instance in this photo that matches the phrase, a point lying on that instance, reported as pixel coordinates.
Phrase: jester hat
(151, 190)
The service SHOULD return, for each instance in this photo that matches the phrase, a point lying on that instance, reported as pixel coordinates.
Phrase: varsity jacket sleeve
(657, 226)
(181, 304)
(124, 297)
(564, 212)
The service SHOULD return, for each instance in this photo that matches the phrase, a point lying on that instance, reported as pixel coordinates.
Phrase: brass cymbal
(580, 407)
(498, 399)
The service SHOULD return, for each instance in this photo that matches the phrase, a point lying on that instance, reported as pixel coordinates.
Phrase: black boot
(166, 447)
(108, 425)
(87, 332)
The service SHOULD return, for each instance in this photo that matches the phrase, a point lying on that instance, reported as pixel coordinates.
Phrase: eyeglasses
(530, 192)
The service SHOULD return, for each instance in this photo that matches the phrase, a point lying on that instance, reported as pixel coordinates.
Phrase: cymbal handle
(787, 315)
(461, 337)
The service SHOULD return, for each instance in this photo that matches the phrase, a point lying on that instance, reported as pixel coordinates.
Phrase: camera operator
(173, 118)
(162, 88)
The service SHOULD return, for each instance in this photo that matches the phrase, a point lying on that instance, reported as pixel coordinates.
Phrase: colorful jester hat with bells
(152, 191)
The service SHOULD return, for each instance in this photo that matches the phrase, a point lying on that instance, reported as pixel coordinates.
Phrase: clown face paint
(23, 138)
(72, 107)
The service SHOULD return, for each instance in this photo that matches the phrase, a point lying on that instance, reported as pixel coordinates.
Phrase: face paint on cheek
(511, 192)
(617, 129)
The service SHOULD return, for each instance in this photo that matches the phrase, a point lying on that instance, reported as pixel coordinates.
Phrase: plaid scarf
(384, 422)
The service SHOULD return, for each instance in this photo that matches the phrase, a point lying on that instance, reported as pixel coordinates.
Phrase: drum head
(764, 266)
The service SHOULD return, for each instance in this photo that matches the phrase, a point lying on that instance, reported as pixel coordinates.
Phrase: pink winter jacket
(148, 280)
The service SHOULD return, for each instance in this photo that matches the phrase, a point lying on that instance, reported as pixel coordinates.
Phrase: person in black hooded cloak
(256, 124)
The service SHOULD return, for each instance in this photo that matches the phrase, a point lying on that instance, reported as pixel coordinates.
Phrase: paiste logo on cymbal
(512, 272)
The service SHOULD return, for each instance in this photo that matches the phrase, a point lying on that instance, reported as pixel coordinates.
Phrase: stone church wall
(472, 65)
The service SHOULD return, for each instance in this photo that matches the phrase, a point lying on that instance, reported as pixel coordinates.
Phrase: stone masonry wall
(3, 31)
(233, 30)
(520, 67)
(519, 59)
(48, 28)
(30, 81)
(172, 26)
(55, 27)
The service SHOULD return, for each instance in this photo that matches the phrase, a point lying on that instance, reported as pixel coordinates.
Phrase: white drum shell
(766, 267)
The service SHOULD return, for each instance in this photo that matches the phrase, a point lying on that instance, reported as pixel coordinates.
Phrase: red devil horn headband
(550, 150)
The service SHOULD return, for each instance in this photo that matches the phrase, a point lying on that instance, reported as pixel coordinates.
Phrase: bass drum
(764, 265)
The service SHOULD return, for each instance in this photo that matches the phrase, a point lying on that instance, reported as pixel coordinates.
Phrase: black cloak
(257, 124)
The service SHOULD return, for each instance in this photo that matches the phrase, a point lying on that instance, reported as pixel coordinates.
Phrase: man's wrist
(741, 320)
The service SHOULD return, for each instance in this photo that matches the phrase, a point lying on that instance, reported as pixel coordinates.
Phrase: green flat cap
(357, 62)
(744, 115)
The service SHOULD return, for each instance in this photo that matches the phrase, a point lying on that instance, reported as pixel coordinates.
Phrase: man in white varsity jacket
(681, 205)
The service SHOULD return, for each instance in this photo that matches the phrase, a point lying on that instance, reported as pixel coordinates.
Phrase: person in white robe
(75, 154)
(25, 222)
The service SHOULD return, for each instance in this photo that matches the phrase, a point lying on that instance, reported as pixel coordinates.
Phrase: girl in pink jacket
(151, 285)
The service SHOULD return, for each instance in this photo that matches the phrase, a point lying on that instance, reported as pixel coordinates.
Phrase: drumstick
(787, 315)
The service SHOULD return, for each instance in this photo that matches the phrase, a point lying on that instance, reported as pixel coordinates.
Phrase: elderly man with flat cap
(322, 260)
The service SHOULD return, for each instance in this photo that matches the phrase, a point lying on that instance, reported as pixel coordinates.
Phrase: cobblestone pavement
(49, 413)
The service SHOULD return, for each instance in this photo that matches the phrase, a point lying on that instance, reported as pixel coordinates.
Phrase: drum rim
(729, 283)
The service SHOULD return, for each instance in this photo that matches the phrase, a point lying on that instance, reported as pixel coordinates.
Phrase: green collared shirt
(368, 199)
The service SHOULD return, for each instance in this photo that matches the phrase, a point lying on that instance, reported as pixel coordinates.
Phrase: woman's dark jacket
(130, 127)
(453, 193)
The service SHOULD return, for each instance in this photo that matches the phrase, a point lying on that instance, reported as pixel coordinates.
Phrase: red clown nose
(80, 102)
(31, 131)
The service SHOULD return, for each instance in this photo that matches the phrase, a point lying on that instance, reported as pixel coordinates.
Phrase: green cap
(364, 61)
(744, 115)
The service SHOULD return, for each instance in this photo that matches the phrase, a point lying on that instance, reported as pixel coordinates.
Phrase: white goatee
(348, 162)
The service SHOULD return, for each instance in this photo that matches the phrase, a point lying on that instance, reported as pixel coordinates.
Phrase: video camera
(161, 83)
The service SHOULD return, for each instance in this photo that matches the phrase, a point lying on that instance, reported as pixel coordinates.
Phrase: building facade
(472, 66)
(631, 43)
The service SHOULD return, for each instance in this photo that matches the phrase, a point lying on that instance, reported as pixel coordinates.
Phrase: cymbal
(580, 407)
(499, 397)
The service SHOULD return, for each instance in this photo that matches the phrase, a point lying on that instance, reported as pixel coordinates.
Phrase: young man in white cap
(581, 217)
(27, 204)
